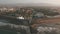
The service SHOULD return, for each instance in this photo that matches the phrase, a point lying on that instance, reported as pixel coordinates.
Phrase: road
(48, 21)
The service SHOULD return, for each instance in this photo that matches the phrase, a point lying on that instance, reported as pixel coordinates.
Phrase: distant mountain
(35, 4)
(30, 4)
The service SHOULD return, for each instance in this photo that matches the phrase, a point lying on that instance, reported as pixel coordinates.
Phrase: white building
(21, 17)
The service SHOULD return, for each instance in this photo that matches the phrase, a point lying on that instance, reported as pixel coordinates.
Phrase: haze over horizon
(52, 2)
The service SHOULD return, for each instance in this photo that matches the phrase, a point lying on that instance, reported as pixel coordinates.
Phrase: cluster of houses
(7, 9)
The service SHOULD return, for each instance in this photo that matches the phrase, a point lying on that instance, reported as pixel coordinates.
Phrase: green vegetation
(27, 12)
(49, 12)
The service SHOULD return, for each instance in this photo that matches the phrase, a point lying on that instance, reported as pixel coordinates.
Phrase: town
(29, 20)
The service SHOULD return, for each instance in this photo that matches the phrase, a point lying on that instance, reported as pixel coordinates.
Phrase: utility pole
(30, 21)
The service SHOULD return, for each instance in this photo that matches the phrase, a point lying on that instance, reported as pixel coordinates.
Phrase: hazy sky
(57, 2)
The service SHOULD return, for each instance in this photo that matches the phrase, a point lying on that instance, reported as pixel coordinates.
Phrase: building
(38, 15)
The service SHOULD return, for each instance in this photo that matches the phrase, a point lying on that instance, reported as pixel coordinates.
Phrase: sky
(55, 2)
